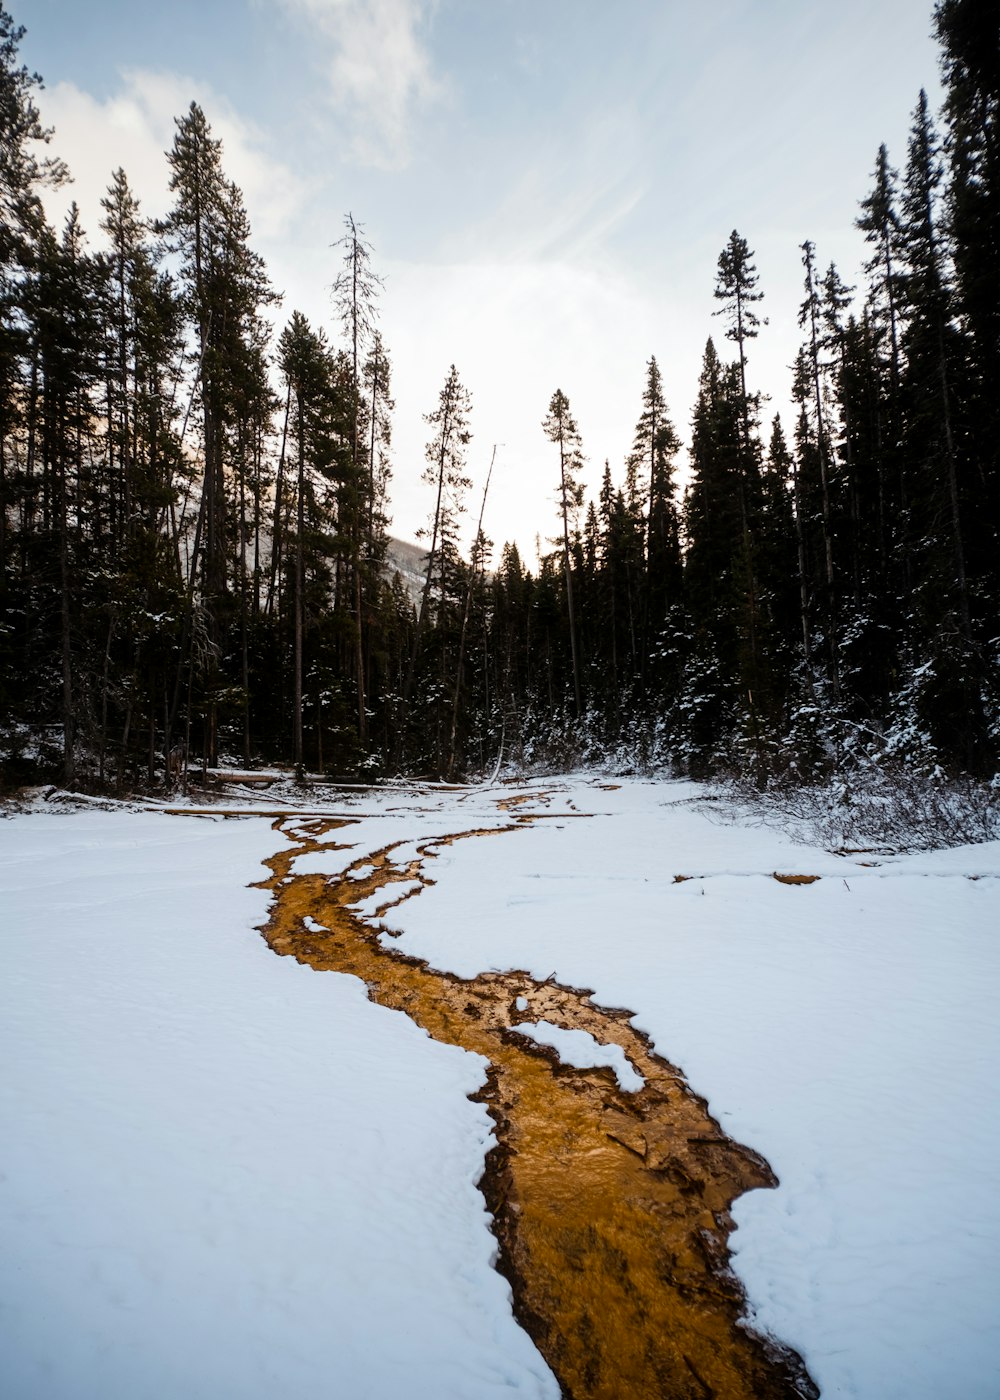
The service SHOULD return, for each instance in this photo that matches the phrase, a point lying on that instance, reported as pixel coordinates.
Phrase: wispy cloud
(135, 126)
(379, 70)
(570, 193)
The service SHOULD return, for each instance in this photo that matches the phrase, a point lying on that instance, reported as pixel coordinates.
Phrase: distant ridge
(410, 562)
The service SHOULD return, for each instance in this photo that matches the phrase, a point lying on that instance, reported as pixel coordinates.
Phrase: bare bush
(888, 809)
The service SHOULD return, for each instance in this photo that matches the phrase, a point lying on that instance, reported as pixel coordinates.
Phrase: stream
(611, 1206)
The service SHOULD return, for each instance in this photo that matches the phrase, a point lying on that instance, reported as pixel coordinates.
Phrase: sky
(546, 184)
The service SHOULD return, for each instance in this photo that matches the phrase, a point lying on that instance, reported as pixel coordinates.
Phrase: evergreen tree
(308, 368)
(715, 563)
(377, 407)
(24, 171)
(560, 428)
(780, 597)
(933, 423)
(445, 473)
(183, 554)
(225, 288)
(969, 34)
(736, 288)
(878, 221)
(654, 449)
(809, 385)
(355, 294)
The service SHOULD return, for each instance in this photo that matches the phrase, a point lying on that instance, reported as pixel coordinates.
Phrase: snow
(226, 1175)
(846, 1029)
(222, 1174)
(583, 1051)
(394, 893)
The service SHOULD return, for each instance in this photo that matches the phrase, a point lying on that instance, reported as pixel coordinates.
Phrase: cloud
(134, 128)
(379, 72)
(518, 331)
(567, 195)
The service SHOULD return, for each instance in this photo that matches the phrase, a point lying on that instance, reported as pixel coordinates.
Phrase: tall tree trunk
(800, 541)
(473, 569)
(104, 698)
(297, 746)
(65, 632)
(431, 558)
(277, 534)
(569, 578)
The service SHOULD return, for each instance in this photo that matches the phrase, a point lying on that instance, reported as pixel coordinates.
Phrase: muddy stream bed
(611, 1208)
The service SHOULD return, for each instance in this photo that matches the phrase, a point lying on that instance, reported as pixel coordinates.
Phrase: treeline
(193, 519)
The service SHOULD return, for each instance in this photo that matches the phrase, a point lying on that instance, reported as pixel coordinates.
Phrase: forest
(194, 559)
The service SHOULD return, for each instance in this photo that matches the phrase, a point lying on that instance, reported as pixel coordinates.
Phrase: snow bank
(583, 1051)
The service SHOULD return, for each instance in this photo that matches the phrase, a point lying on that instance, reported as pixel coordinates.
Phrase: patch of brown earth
(510, 804)
(781, 879)
(611, 1208)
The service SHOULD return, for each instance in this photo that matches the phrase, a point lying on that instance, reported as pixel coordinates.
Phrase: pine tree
(69, 366)
(24, 171)
(377, 406)
(355, 293)
(715, 561)
(952, 708)
(736, 288)
(878, 221)
(445, 472)
(781, 605)
(969, 34)
(225, 289)
(145, 331)
(811, 373)
(478, 563)
(619, 552)
(931, 353)
(192, 230)
(560, 428)
(654, 449)
(308, 368)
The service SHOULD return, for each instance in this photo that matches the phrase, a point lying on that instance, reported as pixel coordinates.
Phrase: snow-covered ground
(224, 1175)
